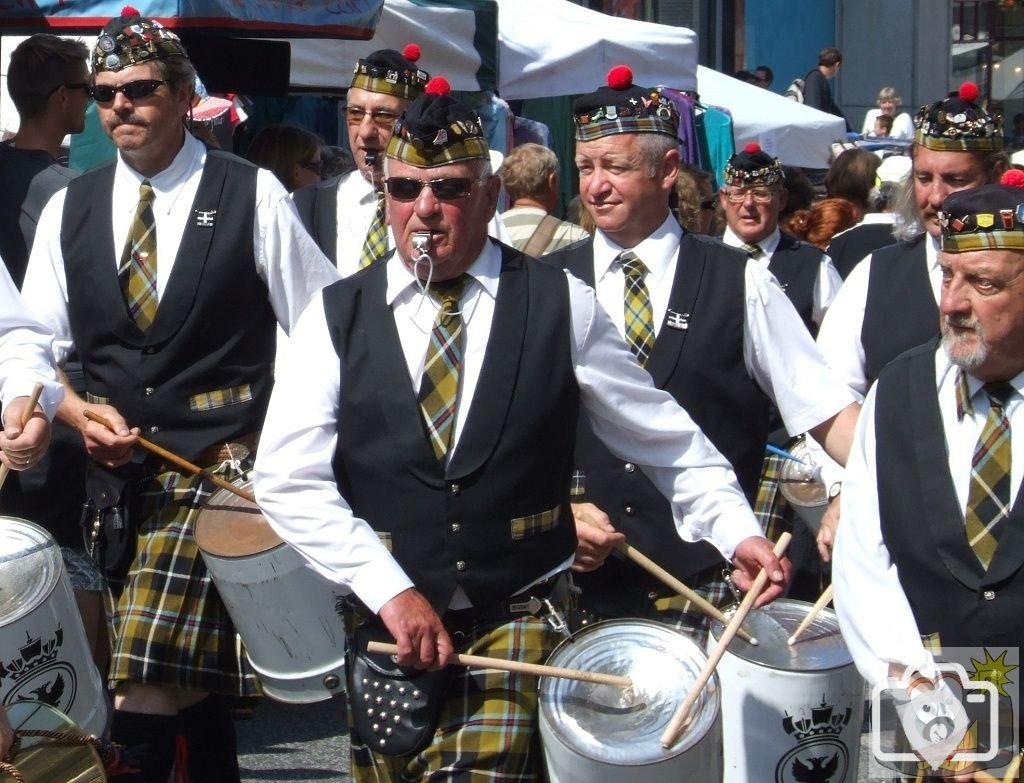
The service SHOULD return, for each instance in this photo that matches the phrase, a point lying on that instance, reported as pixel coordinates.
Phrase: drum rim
(45, 542)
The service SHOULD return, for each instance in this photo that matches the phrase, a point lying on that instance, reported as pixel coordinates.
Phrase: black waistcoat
(702, 367)
(923, 524)
(795, 265)
(214, 327)
(473, 524)
(852, 246)
(900, 311)
(318, 208)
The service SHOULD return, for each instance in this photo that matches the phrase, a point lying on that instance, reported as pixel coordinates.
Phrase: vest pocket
(524, 527)
(219, 398)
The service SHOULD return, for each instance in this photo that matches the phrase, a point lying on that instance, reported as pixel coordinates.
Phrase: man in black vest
(339, 212)
(752, 194)
(930, 552)
(176, 333)
(889, 303)
(425, 469)
(724, 339)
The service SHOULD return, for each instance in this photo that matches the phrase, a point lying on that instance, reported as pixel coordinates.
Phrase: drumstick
(821, 603)
(672, 583)
(675, 585)
(682, 715)
(33, 399)
(537, 669)
(174, 459)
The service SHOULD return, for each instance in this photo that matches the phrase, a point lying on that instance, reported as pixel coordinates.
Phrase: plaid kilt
(677, 612)
(170, 627)
(488, 725)
(772, 510)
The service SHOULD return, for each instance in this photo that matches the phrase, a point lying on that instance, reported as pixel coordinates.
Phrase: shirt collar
(658, 250)
(967, 386)
(190, 158)
(402, 284)
(931, 251)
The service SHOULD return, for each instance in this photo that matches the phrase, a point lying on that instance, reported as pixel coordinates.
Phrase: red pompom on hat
(438, 86)
(752, 148)
(130, 10)
(969, 92)
(620, 77)
(1013, 177)
(412, 52)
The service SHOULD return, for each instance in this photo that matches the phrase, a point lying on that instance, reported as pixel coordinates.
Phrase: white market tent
(546, 48)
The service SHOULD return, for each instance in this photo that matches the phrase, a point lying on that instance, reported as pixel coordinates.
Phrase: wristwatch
(834, 490)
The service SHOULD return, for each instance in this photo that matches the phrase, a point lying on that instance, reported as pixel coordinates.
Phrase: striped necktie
(137, 270)
(639, 315)
(439, 387)
(754, 251)
(376, 243)
(988, 497)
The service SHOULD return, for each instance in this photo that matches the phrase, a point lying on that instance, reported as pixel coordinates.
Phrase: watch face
(834, 490)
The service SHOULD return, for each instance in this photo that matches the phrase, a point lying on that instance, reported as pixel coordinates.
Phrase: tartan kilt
(677, 612)
(488, 727)
(170, 628)
(771, 508)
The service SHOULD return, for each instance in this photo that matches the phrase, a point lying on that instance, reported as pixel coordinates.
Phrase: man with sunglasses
(169, 270)
(436, 449)
(345, 214)
(712, 327)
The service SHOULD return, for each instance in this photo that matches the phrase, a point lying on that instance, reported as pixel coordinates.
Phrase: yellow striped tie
(137, 269)
(376, 243)
(639, 315)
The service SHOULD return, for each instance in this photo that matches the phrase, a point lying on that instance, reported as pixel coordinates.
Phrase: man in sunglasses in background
(169, 271)
(437, 450)
(345, 214)
(709, 323)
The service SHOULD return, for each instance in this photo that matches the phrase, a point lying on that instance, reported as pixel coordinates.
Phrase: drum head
(820, 647)
(624, 726)
(30, 565)
(230, 526)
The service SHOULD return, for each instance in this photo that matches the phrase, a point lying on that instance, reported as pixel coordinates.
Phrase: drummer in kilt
(419, 450)
(169, 270)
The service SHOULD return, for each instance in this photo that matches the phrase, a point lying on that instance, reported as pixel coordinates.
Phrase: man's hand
(753, 554)
(827, 533)
(109, 448)
(422, 641)
(22, 446)
(596, 537)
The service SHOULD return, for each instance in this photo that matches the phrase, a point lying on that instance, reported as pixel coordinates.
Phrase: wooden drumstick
(174, 459)
(30, 408)
(536, 669)
(682, 715)
(672, 583)
(675, 585)
(821, 603)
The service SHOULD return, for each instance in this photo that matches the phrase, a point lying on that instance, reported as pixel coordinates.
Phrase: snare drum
(42, 760)
(593, 733)
(790, 713)
(44, 652)
(286, 613)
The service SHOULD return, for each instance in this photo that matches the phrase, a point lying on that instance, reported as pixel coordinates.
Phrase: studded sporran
(395, 708)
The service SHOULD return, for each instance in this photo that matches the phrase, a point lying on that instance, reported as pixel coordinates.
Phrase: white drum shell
(287, 616)
(44, 652)
(609, 647)
(819, 688)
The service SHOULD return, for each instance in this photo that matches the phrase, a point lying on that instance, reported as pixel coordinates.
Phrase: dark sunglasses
(140, 88)
(445, 189)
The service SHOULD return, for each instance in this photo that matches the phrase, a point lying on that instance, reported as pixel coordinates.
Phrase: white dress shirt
(839, 336)
(287, 259)
(778, 352)
(877, 622)
(826, 284)
(26, 356)
(294, 479)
